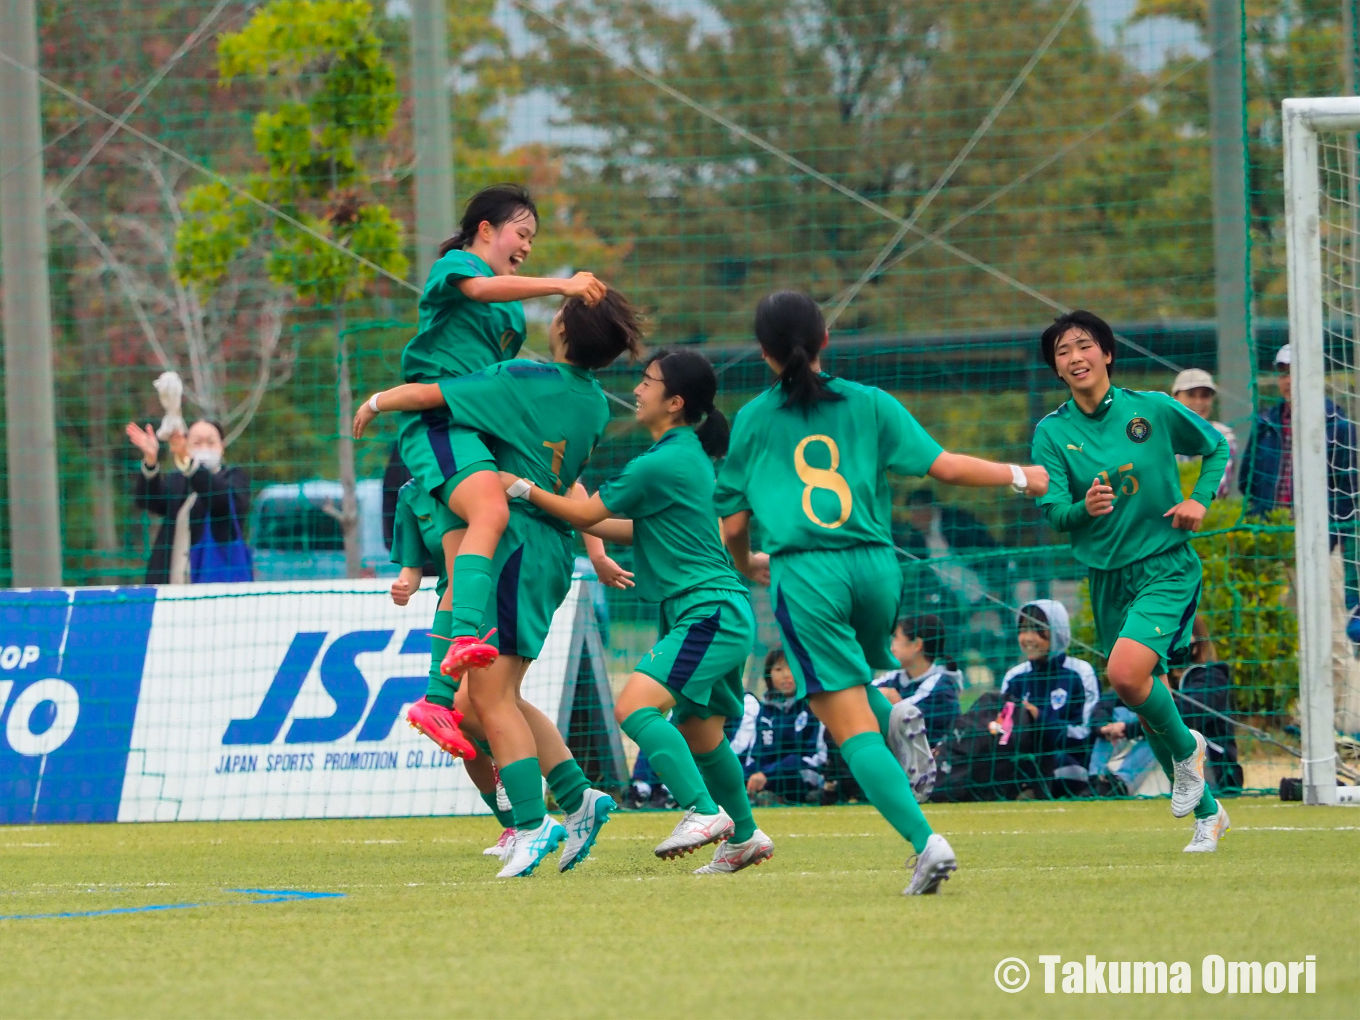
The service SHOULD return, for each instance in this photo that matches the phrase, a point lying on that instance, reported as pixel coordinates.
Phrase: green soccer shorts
(706, 638)
(530, 576)
(440, 454)
(836, 611)
(1152, 601)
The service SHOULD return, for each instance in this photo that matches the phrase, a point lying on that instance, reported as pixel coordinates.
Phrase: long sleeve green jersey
(816, 481)
(542, 420)
(1130, 444)
(456, 334)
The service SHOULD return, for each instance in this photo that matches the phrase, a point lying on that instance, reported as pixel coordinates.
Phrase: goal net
(1322, 186)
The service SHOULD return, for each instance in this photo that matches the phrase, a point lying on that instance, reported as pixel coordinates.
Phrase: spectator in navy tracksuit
(927, 679)
(782, 745)
(1057, 694)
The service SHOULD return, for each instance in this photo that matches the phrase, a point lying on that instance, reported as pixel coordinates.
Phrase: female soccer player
(1131, 528)
(470, 318)
(662, 504)
(808, 461)
(545, 420)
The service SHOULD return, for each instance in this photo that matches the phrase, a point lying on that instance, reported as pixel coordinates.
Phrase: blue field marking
(266, 896)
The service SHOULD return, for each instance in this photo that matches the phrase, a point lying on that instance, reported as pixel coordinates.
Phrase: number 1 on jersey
(823, 478)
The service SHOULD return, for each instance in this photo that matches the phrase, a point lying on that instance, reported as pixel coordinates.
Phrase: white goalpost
(1322, 216)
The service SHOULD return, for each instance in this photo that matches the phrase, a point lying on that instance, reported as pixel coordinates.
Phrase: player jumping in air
(809, 460)
(471, 318)
(1111, 454)
(707, 627)
(544, 420)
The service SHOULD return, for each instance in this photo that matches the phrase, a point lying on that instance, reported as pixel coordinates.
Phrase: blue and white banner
(232, 702)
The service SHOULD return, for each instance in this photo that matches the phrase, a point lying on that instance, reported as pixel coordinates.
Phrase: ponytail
(791, 330)
(689, 375)
(497, 205)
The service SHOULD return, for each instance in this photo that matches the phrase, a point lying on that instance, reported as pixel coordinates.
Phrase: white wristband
(373, 403)
(1019, 483)
(519, 488)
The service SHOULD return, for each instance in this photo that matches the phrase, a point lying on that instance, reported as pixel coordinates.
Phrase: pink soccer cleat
(468, 652)
(440, 724)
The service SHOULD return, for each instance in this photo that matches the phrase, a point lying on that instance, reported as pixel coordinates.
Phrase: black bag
(971, 763)
(1211, 685)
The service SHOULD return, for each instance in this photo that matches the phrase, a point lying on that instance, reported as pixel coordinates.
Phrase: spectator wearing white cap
(1195, 388)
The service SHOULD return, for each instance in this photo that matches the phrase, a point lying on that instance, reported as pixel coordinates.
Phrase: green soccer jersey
(543, 420)
(668, 493)
(817, 481)
(418, 529)
(456, 334)
(1130, 443)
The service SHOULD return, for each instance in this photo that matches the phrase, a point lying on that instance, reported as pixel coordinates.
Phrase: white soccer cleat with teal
(1187, 785)
(1208, 831)
(694, 831)
(583, 825)
(933, 865)
(528, 847)
(502, 845)
(732, 857)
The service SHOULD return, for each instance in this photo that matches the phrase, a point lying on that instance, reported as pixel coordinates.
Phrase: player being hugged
(544, 420)
(471, 318)
(662, 504)
(809, 460)
(1111, 455)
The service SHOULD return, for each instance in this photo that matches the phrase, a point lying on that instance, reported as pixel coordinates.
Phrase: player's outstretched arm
(736, 531)
(490, 289)
(960, 469)
(585, 514)
(407, 397)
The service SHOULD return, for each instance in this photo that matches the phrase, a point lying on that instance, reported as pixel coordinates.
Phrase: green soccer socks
(506, 819)
(1207, 806)
(723, 777)
(1160, 717)
(885, 784)
(670, 756)
(881, 706)
(441, 689)
(524, 787)
(471, 583)
(568, 784)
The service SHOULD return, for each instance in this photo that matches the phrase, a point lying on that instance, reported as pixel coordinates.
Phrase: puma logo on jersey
(1077, 448)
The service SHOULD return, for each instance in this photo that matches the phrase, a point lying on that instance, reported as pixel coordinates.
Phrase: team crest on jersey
(1139, 429)
(1058, 698)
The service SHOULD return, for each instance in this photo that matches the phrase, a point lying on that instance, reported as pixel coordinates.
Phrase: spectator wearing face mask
(203, 504)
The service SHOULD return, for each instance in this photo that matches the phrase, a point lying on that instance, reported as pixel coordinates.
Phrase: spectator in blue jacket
(928, 678)
(1057, 692)
(787, 752)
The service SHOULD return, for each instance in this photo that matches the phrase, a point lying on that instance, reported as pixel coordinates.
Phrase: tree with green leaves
(332, 100)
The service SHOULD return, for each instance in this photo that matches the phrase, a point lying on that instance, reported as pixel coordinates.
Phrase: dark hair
(772, 658)
(791, 330)
(1033, 618)
(1099, 329)
(221, 432)
(690, 376)
(930, 629)
(923, 496)
(597, 334)
(496, 205)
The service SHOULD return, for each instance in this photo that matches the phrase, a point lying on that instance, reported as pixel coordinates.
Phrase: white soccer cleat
(933, 865)
(1187, 786)
(909, 744)
(695, 831)
(731, 857)
(528, 847)
(583, 825)
(502, 846)
(1208, 831)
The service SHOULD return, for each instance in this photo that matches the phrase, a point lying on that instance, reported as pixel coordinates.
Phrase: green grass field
(424, 929)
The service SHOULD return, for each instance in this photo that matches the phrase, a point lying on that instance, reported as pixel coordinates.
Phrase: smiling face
(1033, 644)
(505, 248)
(654, 408)
(781, 679)
(1081, 363)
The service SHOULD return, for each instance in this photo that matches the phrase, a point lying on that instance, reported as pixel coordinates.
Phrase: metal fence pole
(433, 131)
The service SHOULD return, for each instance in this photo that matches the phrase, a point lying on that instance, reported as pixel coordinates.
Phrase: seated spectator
(927, 679)
(788, 753)
(203, 504)
(1057, 694)
(1208, 682)
(1120, 757)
